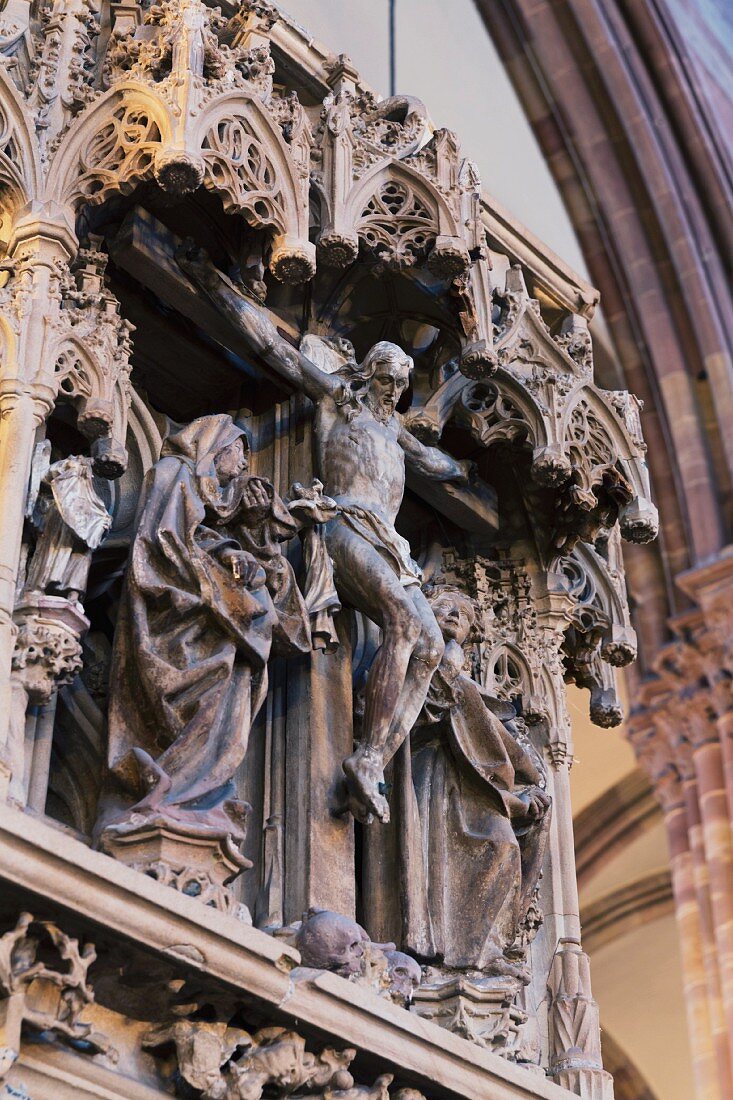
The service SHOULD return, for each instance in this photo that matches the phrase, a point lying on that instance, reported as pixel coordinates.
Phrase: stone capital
(657, 750)
(42, 226)
(14, 392)
(47, 651)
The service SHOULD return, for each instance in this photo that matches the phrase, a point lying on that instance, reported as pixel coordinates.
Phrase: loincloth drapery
(383, 537)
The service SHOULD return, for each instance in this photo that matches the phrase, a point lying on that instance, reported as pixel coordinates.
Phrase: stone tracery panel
(120, 155)
(397, 225)
(239, 168)
(491, 412)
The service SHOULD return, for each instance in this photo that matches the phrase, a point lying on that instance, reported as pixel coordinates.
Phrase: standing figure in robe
(193, 638)
(72, 521)
(473, 820)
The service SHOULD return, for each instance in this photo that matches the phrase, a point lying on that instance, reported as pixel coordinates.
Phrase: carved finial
(342, 74)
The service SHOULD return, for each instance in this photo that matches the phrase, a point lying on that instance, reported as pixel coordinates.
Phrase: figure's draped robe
(75, 522)
(192, 643)
(467, 870)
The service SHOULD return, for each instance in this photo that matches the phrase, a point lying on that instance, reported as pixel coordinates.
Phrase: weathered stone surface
(220, 668)
(45, 993)
(232, 959)
(196, 623)
(363, 450)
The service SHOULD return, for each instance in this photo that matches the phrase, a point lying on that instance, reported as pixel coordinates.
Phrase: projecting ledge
(100, 891)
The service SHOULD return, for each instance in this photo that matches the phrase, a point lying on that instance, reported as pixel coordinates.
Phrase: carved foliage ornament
(48, 995)
(227, 1063)
(46, 657)
(394, 127)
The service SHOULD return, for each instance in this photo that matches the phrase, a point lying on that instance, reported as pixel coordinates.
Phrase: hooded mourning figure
(471, 824)
(192, 642)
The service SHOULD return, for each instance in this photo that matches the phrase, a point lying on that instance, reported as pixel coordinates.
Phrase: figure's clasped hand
(538, 803)
(257, 496)
(527, 804)
(245, 568)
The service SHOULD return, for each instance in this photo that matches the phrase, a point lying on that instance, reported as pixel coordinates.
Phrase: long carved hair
(357, 375)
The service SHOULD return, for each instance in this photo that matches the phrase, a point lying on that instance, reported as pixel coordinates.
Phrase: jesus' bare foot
(365, 779)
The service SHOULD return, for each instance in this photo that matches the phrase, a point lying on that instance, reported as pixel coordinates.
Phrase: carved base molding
(163, 937)
(575, 1061)
(590, 1084)
(480, 1010)
(199, 866)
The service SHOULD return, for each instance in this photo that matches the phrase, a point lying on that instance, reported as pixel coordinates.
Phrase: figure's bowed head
(231, 460)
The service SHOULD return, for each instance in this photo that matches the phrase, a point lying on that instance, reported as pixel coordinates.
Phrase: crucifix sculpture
(364, 449)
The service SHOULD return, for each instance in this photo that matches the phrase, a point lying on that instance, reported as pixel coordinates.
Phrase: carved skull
(405, 976)
(330, 941)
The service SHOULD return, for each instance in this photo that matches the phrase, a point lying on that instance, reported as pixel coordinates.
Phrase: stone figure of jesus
(363, 449)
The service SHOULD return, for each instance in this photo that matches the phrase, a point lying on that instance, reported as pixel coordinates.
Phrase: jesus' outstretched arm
(255, 325)
(432, 462)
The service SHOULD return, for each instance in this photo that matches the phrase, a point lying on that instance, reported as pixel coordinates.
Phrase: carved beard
(380, 412)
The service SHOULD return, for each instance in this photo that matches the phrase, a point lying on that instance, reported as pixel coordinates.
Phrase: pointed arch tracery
(247, 163)
(20, 171)
(399, 214)
(110, 147)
